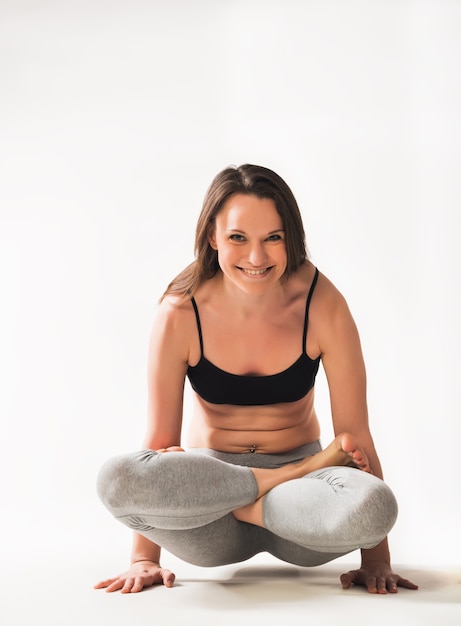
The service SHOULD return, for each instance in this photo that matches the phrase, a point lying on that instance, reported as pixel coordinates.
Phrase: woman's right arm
(167, 365)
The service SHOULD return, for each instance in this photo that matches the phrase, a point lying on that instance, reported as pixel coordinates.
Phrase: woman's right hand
(141, 574)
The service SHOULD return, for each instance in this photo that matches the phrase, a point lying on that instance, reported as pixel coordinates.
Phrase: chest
(262, 345)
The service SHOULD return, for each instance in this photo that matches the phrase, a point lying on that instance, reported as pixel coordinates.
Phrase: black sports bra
(219, 387)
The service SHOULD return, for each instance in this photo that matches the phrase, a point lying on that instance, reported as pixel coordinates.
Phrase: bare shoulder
(329, 314)
(329, 300)
(175, 311)
(326, 298)
(173, 325)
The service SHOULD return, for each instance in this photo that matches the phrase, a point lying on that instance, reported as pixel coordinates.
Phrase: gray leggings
(183, 501)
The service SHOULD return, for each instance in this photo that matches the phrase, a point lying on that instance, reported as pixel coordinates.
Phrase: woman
(248, 323)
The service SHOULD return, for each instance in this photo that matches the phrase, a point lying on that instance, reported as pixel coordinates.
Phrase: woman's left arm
(344, 367)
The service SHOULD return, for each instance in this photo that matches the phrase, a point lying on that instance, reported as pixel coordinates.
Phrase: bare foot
(343, 450)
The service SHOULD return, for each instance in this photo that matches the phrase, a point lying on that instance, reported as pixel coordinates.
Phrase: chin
(257, 287)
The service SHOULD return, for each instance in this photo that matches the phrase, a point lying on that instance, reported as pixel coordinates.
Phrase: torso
(270, 430)
(261, 342)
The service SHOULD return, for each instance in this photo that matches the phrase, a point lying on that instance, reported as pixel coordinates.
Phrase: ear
(212, 237)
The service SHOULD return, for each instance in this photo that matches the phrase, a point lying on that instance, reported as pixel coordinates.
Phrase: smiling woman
(249, 323)
(249, 238)
(247, 180)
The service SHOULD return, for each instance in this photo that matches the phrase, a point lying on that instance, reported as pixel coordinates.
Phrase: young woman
(248, 323)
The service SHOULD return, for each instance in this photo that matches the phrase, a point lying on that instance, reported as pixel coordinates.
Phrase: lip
(254, 273)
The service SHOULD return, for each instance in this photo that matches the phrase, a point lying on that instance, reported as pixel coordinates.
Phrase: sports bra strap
(306, 317)
(199, 326)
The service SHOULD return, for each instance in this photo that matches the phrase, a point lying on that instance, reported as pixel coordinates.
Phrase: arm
(345, 370)
(168, 357)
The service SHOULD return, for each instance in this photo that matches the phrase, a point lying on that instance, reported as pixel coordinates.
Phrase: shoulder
(329, 314)
(326, 298)
(174, 324)
(332, 319)
(329, 300)
(174, 310)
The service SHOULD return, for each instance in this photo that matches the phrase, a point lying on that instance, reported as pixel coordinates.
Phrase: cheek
(228, 257)
(225, 255)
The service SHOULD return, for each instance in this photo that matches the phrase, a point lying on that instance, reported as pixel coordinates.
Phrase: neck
(248, 303)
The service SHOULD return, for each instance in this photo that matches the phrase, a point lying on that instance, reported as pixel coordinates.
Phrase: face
(250, 241)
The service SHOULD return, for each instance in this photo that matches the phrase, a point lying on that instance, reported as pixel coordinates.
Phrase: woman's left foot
(343, 450)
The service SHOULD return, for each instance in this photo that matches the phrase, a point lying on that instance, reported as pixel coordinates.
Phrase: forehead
(243, 211)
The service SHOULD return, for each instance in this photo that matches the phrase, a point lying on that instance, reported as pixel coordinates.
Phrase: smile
(255, 272)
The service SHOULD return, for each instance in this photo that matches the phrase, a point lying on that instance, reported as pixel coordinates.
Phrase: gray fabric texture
(183, 501)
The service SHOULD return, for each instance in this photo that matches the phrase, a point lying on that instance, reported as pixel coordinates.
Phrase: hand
(141, 574)
(377, 577)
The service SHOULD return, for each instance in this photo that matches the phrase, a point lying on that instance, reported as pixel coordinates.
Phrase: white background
(115, 116)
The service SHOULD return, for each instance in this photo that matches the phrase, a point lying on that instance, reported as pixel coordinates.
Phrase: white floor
(56, 589)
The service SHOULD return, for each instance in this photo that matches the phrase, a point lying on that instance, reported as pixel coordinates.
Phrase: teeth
(253, 272)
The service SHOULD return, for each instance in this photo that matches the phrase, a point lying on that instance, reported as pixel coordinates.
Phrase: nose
(257, 254)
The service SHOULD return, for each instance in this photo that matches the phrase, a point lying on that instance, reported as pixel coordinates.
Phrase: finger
(116, 585)
(127, 586)
(404, 582)
(381, 586)
(168, 577)
(138, 585)
(392, 584)
(104, 583)
(371, 584)
(347, 579)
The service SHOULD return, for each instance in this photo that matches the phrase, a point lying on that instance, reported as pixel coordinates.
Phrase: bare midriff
(267, 429)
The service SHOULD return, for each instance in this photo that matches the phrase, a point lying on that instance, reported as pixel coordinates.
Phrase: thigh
(174, 490)
(334, 510)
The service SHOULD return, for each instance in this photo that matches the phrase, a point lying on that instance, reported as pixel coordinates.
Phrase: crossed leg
(343, 450)
(186, 502)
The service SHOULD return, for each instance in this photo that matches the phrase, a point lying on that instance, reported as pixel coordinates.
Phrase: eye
(275, 237)
(236, 237)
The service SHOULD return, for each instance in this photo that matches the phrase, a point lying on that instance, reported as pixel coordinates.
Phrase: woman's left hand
(377, 577)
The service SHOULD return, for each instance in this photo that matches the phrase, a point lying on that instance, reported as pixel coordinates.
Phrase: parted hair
(251, 180)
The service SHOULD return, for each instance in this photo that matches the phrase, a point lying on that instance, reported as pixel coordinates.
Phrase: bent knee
(379, 513)
(111, 483)
(117, 481)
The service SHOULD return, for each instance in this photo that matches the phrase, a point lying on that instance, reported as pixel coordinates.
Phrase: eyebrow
(237, 230)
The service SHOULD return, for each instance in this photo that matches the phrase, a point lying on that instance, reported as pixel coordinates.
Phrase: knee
(117, 481)
(380, 512)
(372, 507)
(110, 483)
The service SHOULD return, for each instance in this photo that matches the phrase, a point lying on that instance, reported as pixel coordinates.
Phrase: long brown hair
(247, 179)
